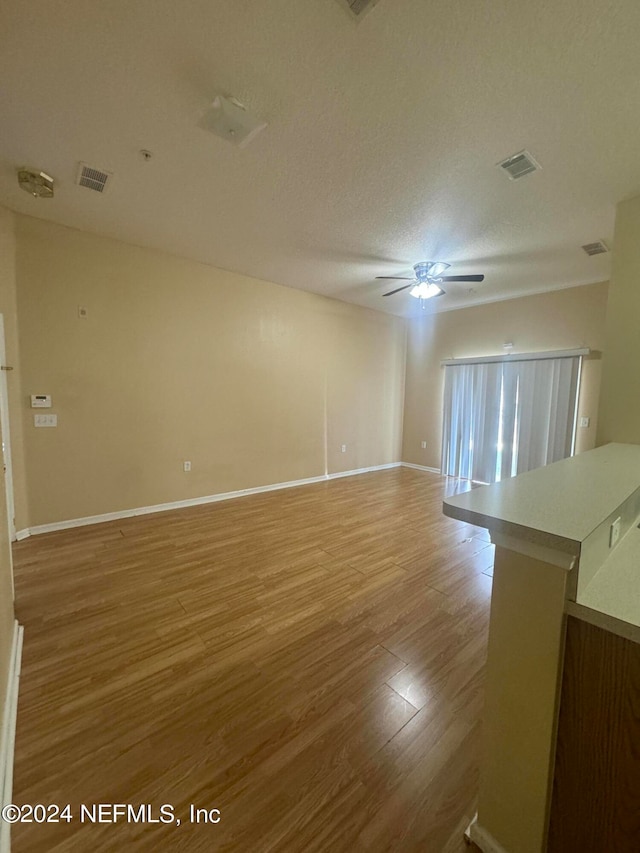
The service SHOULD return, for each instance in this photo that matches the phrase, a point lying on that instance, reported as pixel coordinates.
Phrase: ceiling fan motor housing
(429, 270)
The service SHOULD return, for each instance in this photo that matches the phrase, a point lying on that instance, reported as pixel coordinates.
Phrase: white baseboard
(362, 471)
(207, 499)
(484, 840)
(420, 467)
(8, 736)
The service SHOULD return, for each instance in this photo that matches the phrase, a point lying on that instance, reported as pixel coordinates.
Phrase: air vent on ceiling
(598, 248)
(519, 165)
(92, 178)
(358, 7)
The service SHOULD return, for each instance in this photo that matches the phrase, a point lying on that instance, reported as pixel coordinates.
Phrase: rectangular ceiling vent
(357, 8)
(598, 248)
(93, 179)
(519, 165)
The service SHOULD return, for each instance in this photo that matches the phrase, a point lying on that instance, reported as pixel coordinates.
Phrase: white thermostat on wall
(40, 401)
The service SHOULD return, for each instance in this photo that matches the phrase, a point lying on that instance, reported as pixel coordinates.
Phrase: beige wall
(7, 284)
(564, 319)
(252, 382)
(619, 413)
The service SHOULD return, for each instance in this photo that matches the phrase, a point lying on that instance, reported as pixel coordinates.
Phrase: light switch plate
(45, 420)
(614, 532)
(584, 422)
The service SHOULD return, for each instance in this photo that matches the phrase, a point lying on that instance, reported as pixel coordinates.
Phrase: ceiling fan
(427, 279)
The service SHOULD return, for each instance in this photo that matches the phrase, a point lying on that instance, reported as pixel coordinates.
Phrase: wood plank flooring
(309, 662)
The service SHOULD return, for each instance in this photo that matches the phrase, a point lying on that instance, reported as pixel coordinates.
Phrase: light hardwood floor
(309, 662)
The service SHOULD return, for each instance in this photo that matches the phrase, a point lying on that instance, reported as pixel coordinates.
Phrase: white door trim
(6, 435)
(8, 733)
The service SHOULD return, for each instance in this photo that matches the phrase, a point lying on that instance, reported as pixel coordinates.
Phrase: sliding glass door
(505, 417)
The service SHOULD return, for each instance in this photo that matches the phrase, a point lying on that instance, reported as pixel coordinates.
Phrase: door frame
(6, 435)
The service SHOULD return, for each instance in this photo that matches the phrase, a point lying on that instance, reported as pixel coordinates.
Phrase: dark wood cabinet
(595, 804)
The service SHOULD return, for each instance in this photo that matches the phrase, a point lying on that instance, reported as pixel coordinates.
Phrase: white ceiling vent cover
(598, 248)
(92, 178)
(357, 8)
(519, 165)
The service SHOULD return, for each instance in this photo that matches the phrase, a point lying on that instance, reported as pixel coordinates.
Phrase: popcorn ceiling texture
(382, 140)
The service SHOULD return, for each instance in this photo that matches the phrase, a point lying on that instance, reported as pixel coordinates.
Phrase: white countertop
(615, 588)
(559, 505)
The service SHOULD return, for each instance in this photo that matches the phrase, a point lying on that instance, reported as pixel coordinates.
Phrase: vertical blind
(503, 418)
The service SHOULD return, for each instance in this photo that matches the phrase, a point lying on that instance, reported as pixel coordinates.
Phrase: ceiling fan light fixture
(427, 278)
(426, 290)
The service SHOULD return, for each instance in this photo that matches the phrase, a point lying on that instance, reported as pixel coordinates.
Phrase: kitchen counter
(558, 573)
(615, 588)
(557, 506)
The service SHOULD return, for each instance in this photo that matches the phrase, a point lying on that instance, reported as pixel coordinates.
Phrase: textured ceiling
(382, 140)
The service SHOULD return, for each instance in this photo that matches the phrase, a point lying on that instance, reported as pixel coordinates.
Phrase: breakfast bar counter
(564, 632)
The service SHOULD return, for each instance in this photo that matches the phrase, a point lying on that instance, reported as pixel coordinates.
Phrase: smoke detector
(519, 165)
(93, 178)
(230, 120)
(37, 184)
(598, 248)
(357, 8)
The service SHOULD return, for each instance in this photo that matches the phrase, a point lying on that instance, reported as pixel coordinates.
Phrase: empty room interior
(320, 421)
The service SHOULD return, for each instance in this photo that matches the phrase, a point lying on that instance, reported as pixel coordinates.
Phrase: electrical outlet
(186, 467)
(423, 445)
(614, 532)
(343, 448)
